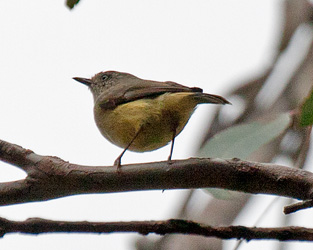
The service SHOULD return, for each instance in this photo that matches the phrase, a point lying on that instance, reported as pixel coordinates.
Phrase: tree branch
(298, 206)
(38, 226)
(50, 177)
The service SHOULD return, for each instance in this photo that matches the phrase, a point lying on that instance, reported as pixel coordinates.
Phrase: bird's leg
(117, 162)
(172, 144)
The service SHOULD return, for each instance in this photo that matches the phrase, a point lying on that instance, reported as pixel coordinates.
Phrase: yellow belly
(155, 118)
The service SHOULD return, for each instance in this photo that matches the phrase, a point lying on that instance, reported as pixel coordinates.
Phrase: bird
(142, 115)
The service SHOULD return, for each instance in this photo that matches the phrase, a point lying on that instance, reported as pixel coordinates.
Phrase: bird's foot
(117, 164)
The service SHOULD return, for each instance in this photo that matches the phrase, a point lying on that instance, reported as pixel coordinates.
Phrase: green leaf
(242, 140)
(221, 194)
(71, 3)
(306, 117)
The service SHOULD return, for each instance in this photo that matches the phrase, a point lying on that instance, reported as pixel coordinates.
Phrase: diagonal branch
(298, 206)
(50, 177)
(38, 226)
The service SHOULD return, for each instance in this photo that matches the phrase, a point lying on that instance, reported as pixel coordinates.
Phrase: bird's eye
(104, 77)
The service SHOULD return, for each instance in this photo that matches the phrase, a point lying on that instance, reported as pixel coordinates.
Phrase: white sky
(211, 44)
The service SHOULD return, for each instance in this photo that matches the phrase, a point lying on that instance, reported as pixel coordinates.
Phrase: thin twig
(39, 226)
(298, 206)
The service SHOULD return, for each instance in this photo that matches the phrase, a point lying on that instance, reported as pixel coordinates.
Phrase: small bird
(142, 115)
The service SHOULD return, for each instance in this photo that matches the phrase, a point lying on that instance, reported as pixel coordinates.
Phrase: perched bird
(142, 115)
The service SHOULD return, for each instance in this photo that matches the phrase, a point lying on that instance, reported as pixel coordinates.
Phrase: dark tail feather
(208, 98)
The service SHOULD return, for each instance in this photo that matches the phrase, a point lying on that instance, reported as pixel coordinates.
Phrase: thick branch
(50, 177)
(38, 226)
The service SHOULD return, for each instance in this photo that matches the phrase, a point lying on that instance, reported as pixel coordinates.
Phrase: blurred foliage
(306, 117)
(242, 140)
(270, 96)
(71, 3)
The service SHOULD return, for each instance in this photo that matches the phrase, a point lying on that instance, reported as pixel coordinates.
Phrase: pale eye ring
(104, 77)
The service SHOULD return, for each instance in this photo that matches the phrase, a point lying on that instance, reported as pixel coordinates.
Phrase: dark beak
(85, 81)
